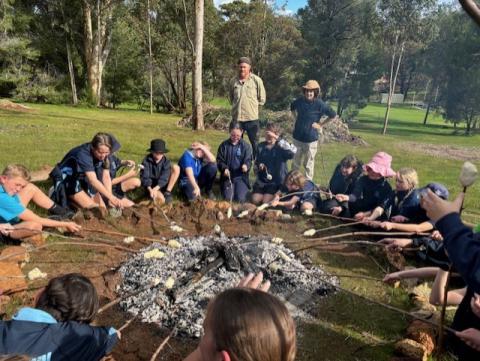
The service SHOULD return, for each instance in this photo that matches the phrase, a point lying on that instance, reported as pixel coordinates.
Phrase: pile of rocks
(186, 278)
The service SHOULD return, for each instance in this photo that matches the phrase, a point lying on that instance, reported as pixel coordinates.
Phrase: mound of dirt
(219, 119)
(9, 105)
(471, 154)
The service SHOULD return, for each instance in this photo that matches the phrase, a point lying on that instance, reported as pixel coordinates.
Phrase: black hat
(157, 146)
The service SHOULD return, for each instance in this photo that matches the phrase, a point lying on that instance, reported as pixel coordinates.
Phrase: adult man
(247, 93)
(309, 110)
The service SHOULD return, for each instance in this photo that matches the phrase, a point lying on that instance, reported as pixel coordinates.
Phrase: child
(343, 181)
(307, 201)
(246, 324)
(58, 328)
(79, 175)
(234, 160)
(418, 214)
(197, 170)
(271, 164)
(158, 176)
(309, 109)
(371, 194)
(121, 184)
(16, 192)
(463, 247)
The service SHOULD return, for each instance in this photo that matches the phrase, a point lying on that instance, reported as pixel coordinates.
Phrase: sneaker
(168, 197)
(211, 195)
(60, 213)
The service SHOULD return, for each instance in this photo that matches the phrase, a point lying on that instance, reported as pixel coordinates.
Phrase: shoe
(211, 196)
(60, 213)
(168, 197)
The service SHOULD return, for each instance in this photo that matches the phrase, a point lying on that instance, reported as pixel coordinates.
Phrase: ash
(205, 266)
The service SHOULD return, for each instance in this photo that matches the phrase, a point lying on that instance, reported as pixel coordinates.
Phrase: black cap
(158, 146)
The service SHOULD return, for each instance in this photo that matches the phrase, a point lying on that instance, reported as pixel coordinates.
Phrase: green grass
(347, 328)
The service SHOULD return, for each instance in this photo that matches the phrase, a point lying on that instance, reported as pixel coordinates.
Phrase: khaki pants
(307, 152)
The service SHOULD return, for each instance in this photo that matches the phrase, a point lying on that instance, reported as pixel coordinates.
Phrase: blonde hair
(259, 328)
(408, 175)
(16, 170)
(295, 178)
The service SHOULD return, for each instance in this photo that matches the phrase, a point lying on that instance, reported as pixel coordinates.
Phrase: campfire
(179, 282)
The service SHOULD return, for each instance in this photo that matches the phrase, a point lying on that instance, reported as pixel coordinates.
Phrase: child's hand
(316, 126)
(342, 197)
(226, 173)
(261, 167)
(437, 236)
(271, 134)
(72, 227)
(6, 228)
(336, 210)
(119, 335)
(196, 191)
(388, 226)
(475, 304)
(391, 278)
(360, 216)
(437, 208)
(395, 244)
(471, 337)
(130, 163)
(255, 282)
(244, 168)
(126, 203)
(373, 224)
(399, 219)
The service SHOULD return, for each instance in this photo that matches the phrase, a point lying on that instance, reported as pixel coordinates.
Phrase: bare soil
(9, 105)
(444, 151)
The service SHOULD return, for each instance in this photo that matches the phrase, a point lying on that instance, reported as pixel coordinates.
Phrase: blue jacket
(232, 157)
(37, 334)
(307, 114)
(275, 159)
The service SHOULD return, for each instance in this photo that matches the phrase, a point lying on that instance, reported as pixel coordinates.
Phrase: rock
(19, 254)
(209, 204)
(309, 232)
(111, 279)
(154, 253)
(424, 333)
(11, 277)
(411, 348)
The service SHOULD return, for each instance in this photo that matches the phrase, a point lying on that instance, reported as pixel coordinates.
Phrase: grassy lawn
(45, 134)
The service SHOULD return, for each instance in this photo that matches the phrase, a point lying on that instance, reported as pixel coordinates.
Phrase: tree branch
(472, 9)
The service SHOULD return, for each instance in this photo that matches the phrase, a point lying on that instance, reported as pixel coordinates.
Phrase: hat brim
(380, 169)
(308, 88)
(158, 151)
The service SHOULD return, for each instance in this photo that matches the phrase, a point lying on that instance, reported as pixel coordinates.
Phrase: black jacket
(275, 159)
(344, 185)
(232, 157)
(153, 173)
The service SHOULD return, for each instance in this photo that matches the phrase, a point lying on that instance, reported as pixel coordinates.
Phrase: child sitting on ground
(197, 170)
(424, 224)
(343, 181)
(246, 324)
(158, 175)
(271, 164)
(58, 328)
(16, 192)
(307, 198)
(121, 184)
(371, 194)
(234, 160)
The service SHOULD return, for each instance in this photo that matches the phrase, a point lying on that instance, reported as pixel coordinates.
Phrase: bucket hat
(381, 163)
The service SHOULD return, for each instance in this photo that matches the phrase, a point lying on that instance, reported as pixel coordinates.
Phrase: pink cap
(381, 163)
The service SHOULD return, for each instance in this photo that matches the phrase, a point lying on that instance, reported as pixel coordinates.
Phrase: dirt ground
(471, 154)
(100, 264)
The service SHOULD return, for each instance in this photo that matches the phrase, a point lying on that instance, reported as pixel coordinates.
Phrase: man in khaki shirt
(247, 93)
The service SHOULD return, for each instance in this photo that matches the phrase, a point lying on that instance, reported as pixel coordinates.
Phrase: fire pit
(184, 279)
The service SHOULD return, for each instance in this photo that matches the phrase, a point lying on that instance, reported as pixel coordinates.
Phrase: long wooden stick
(121, 234)
(162, 345)
(303, 192)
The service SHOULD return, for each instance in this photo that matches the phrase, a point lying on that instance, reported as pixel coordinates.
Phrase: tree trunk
(150, 63)
(197, 67)
(426, 114)
(71, 73)
(96, 44)
(392, 84)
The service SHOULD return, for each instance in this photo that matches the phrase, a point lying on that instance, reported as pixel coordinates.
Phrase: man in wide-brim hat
(309, 109)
